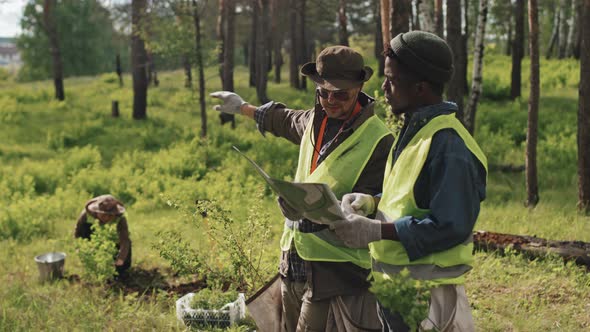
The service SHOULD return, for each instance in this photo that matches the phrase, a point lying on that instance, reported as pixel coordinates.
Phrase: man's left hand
(358, 231)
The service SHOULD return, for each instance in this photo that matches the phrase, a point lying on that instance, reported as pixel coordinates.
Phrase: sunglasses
(340, 95)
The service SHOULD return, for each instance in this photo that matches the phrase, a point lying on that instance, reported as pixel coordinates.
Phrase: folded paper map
(315, 201)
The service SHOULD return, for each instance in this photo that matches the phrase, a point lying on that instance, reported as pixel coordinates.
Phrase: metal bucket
(51, 265)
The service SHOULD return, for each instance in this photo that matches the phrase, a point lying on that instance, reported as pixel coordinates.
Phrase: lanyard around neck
(318, 149)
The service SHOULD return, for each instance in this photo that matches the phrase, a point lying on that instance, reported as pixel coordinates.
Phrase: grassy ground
(56, 155)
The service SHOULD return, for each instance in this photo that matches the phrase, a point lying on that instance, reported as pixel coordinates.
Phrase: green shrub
(97, 253)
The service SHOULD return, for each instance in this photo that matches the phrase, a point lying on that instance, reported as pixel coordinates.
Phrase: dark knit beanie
(424, 53)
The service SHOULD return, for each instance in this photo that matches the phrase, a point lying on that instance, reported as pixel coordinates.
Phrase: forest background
(112, 98)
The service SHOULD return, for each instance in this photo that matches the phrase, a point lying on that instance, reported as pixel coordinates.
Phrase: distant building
(9, 54)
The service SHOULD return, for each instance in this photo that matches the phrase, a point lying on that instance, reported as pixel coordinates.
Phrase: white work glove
(357, 231)
(358, 203)
(232, 102)
(288, 211)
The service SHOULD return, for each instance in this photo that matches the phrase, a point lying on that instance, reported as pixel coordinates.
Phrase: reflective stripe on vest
(340, 170)
(390, 257)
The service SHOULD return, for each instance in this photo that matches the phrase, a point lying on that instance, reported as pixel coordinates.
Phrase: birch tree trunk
(574, 30)
(342, 31)
(517, 50)
(426, 16)
(562, 29)
(584, 114)
(416, 18)
(477, 80)
(138, 61)
(532, 188)
(400, 17)
(51, 31)
(554, 34)
(455, 88)
(465, 43)
(439, 18)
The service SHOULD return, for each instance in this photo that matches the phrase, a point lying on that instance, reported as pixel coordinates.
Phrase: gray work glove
(357, 231)
(288, 211)
(232, 102)
(358, 203)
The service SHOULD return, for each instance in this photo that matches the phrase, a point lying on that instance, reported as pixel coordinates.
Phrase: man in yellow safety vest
(434, 182)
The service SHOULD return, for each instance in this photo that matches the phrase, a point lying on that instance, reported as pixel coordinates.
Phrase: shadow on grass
(146, 282)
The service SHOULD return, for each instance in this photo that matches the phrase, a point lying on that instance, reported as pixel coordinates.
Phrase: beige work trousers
(336, 314)
(449, 310)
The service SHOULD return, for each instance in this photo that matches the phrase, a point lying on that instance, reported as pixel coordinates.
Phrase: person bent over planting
(107, 209)
(433, 186)
(342, 143)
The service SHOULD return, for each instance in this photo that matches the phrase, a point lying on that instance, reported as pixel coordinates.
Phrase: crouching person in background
(107, 209)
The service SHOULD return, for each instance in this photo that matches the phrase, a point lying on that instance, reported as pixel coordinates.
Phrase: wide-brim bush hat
(338, 68)
(105, 204)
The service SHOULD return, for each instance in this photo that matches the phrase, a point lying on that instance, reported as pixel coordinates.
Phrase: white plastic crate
(226, 316)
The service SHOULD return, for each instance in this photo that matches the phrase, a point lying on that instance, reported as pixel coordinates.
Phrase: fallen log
(510, 168)
(533, 247)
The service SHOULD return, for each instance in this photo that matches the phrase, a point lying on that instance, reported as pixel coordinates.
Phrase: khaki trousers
(449, 312)
(336, 314)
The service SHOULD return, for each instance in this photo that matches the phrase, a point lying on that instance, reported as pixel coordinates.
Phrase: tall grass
(56, 155)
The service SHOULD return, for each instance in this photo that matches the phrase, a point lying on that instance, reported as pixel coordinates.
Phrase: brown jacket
(83, 230)
(328, 279)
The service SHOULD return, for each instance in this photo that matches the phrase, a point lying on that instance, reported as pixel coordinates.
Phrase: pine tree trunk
(51, 31)
(220, 31)
(138, 61)
(188, 77)
(277, 30)
(119, 69)
(578, 37)
(477, 79)
(517, 50)
(302, 42)
(533, 114)
(342, 21)
(199, 52)
(385, 10)
(228, 31)
(509, 40)
(400, 17)
(562, 29)
(253, 43)
(378, 49)
(439, 18)
(293, 55)
(455, 87)
(262, 30)
(584, 114)
(426, 14)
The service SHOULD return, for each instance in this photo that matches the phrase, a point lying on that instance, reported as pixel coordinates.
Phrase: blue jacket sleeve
(451, 185)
